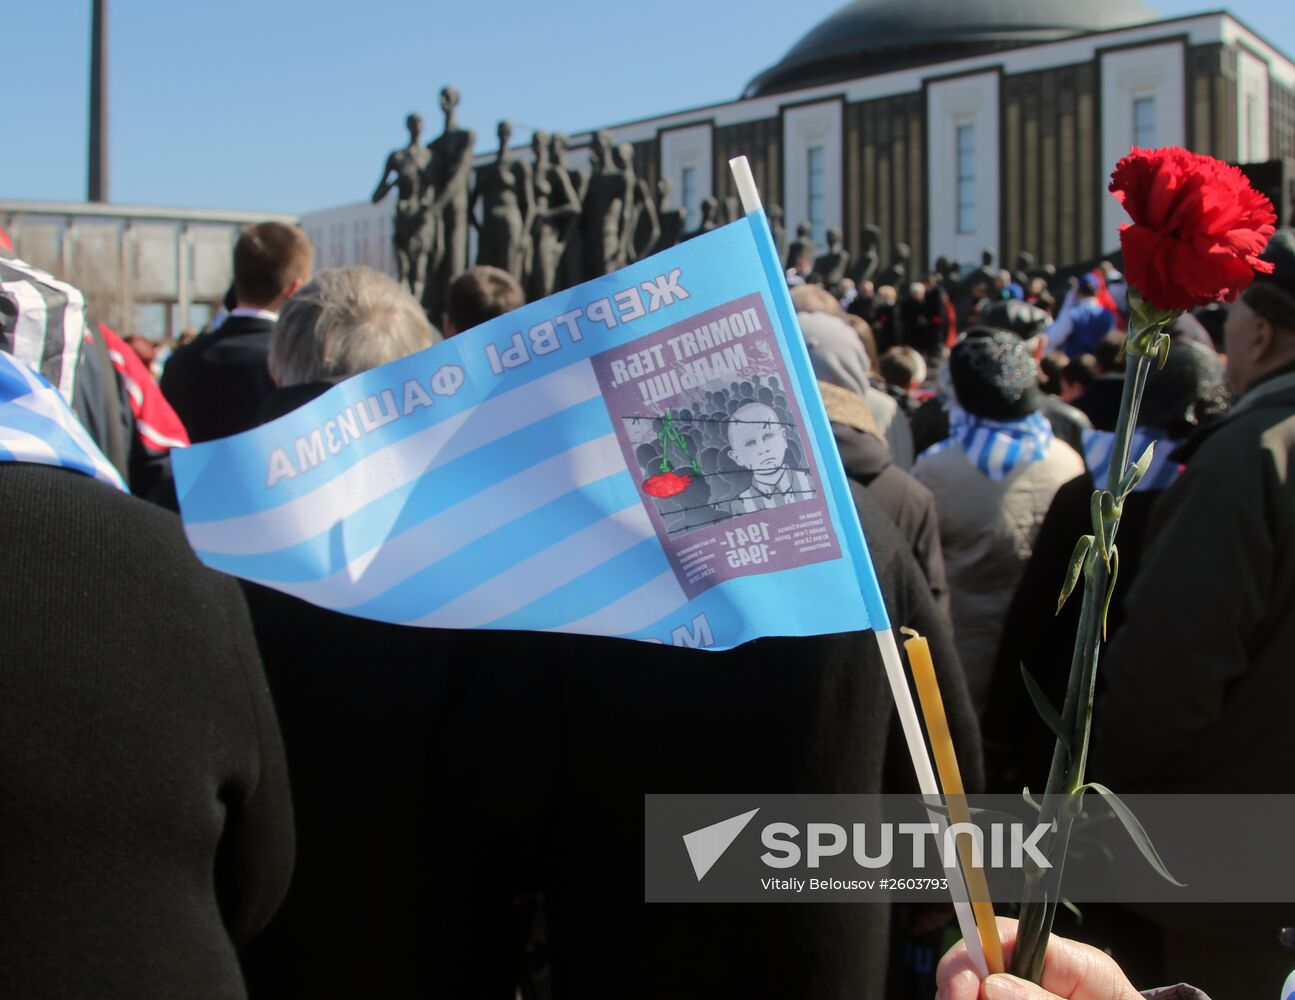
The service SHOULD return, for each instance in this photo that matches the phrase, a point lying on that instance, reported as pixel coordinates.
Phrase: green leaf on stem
(1111, 508)
(1099, 525)
(1074, 569)
(1162, 348)
(1137, 470)
(1074, 910)
(1046, 712)
(1135, 830)
(1032, 931)
(1110, 587)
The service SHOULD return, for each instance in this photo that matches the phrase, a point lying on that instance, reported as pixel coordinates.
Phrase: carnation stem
(1063, 794)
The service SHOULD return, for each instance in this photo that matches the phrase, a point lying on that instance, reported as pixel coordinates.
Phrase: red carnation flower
(1198, 227)
(667, 484)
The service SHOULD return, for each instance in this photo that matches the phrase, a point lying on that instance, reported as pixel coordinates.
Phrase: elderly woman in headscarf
(993, 479)
(841, 366)
(839, 349)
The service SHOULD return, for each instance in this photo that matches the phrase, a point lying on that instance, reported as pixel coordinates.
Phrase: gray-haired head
(346, 321)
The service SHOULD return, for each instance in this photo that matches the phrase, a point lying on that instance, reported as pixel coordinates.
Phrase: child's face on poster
(756, 439)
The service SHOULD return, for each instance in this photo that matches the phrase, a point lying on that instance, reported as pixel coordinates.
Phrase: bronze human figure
(672, 220)
(451, 158)
(555, 207)
(604, 210)
(709, 212)
(897, 273)
(414, 230)
(831, 265)
(777, 230)
(802, 246)
(503, 188)
(642, 226)
(571, 261)
(869, 259)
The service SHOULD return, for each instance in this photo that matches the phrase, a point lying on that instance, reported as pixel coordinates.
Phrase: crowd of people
(215, 789)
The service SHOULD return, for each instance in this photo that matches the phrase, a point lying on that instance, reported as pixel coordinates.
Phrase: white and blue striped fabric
(37, 426)
(996, 447)
(1098, 446)
(42, 321)
(482, 484)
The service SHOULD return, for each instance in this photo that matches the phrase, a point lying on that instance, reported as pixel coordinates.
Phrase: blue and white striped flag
(644, 456)
(37, 426)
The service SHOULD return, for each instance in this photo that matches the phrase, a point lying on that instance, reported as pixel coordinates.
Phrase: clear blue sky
(284, 105)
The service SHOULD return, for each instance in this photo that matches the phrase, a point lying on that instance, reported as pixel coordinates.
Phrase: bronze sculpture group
(551, 226)
(548, 225)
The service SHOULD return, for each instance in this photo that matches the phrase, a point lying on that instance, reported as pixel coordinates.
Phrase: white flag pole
(750, 196)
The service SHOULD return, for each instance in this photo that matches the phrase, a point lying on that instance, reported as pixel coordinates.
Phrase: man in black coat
(145, 822)
(216, 383)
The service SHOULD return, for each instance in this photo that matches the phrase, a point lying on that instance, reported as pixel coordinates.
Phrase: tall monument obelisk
(98, 173)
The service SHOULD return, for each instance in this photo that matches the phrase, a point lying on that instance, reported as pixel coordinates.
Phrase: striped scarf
(1098, 446)
(37, 426)
(996, 447)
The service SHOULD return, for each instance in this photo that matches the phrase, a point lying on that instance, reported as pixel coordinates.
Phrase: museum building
(959, 127)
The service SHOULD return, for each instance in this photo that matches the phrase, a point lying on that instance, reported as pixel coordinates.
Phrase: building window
(688, 197)
(817, 207)
(1251, 133)
(1144, 122)
(966, 147)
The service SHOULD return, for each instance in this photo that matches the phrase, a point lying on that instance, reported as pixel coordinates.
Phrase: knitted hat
(1272, 296)
(1280, 252)
(1189, 391)
(1014, 316)
(994, 376)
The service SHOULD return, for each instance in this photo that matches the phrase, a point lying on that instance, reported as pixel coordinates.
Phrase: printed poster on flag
(644, 455)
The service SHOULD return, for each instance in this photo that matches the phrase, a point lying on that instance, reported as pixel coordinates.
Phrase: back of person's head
(1109, 353)
(994, 375)
(1190, 391)
(270, 258)
(1051, 365)
(1014, 316)
(835, 351)
(815, 298)
(479, 294)
(866, 337)
(1272, 296)
(346, 321)
(1078, 374)
(902, 367)
(1087, 285)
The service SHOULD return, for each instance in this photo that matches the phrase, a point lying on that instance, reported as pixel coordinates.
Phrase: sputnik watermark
(862, 848)
(1009, 844)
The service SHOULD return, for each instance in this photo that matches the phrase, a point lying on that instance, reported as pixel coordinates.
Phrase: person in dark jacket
(145, 822)
(216, 383)
(1199, 681)
(363, 706)
(808, 714)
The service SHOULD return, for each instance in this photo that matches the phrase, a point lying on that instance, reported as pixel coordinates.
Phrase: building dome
(867, 37)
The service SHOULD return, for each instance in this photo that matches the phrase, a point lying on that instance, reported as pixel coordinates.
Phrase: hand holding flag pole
(834, 476)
